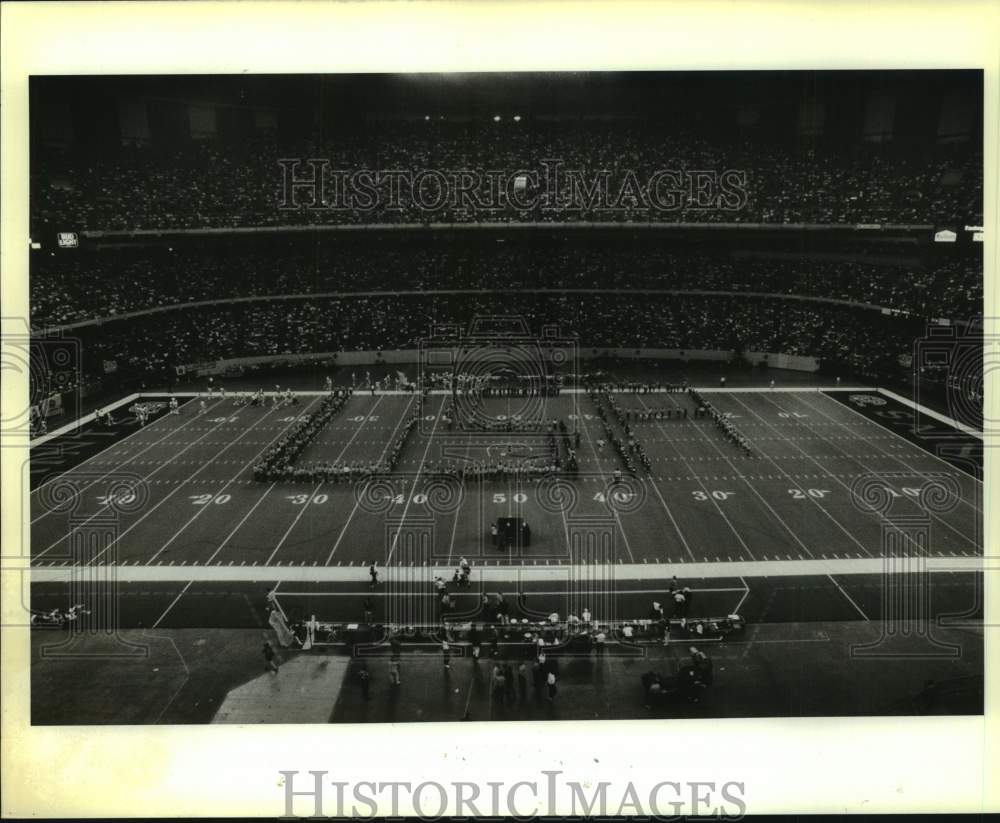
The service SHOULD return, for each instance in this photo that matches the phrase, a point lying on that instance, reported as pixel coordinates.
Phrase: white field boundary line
(243, 468)
(941, 418)
(869, 470)
(68, 474)
(827, 471)
(117, 404)
(795, 483)
(910, 443)
(183, 484)
(775, 390)
(159, 468)
(570, 390)
(81, 421)
(644, 572)
(746, 482)
(357, 503)
(309, 500)
(900, 460)
(533, 592)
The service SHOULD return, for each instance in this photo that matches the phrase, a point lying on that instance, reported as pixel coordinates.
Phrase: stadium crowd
(855, 338)
(70, 286)
(217, 183)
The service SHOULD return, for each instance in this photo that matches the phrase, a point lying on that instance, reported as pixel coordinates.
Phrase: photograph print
(371, 398)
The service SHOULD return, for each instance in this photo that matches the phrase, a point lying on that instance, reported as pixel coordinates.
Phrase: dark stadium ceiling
(527, 93)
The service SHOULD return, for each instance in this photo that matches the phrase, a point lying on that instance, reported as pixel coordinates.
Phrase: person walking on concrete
(502, 609)
(551, 683)
(373, 575)
(702, 664)
(369, 608)
(475, 641)
(394, 671)
(270, 658)
(679, 603)
(538, 677)
(365, 677)
(522, 680)
(499, 683)
(508, 675)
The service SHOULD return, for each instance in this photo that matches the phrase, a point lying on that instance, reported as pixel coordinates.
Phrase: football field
(825, 494)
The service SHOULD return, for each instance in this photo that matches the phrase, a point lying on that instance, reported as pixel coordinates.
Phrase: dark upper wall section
(845, 107)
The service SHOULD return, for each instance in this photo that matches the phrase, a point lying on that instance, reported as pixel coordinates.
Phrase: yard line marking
(288, 531)
(244, 520)
(705, 488)
(69, 472)
(360, 496)
(159, 468)
(834, 520)
(666, 508)
(857, 459)
(306, 505)
(849, 598)
(458, 511)
(420, 468)
(243, 467)
(618, 520)
(172, 603)
(750, 486)
(923, 475)
(183, 483)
